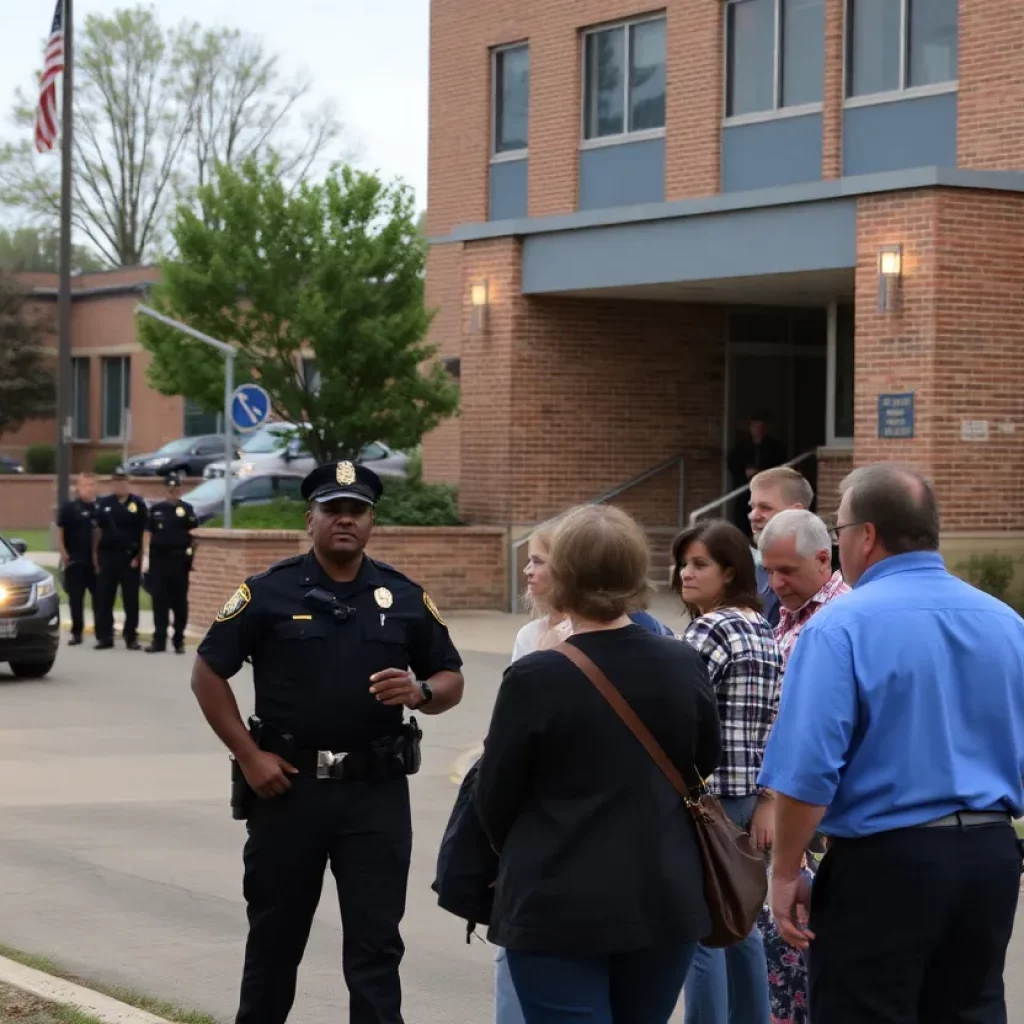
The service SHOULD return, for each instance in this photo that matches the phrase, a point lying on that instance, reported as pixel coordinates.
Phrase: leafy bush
(106, 462)
(403, 504)
(990, 572)
(40, 458)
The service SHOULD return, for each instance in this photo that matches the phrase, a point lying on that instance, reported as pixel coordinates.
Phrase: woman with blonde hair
(599, 900)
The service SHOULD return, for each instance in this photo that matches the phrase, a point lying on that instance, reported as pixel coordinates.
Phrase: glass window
(647, 76)
(750, 27)
(311, 379)
(511, 99)
(617, 101)
(933, 41)
(116, 396)
(843, 424)
(80, 399)
(802, 52)
(259, 489)
(289, 487)
(198, 421)
(373, 451)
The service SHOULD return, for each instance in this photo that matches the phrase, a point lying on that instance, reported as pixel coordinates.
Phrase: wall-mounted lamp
(890, 277)
(480, 303)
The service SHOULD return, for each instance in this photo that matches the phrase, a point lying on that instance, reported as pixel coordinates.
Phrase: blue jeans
(618, 988)
(730, 986)
(506, 1003)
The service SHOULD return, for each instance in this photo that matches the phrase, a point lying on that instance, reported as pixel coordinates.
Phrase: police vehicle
(29, 613)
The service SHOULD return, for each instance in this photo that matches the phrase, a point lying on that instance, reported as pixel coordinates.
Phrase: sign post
(228, 352)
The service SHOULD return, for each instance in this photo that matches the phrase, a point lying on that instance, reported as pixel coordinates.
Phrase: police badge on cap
(335, 480)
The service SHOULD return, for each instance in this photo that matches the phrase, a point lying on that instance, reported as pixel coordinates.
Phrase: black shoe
(76, 639)
(179, 648)
(133, 645)
(104, 645)
(155, 649)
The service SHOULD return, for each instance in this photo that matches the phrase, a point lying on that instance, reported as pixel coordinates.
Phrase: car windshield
(174, 447)
(7, 553)
(269, 440)
(208, 491)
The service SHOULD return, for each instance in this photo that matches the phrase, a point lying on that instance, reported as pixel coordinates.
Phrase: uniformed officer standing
(337, 643)
(75, 526)
(121, 518)
(169, 554)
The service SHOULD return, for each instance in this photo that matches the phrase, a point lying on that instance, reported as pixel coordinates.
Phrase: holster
(242, 794)
(410, 742)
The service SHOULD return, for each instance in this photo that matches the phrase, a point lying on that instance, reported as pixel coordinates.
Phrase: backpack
(467, 866)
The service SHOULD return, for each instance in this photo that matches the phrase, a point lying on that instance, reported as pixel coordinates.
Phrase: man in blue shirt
(901, 732)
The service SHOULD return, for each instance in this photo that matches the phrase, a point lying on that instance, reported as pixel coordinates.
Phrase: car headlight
(4, 594)
(159, 462)
(245, 468)
(45, 588)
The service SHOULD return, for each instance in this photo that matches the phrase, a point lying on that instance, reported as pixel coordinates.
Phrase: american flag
(46, 114)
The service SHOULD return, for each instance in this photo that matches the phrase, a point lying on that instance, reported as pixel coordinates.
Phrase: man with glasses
(901, 733)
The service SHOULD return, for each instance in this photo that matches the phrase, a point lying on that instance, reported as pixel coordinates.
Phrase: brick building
(113, 406)
(646, 222)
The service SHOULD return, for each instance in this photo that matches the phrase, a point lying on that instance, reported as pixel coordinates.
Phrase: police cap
(335, 480)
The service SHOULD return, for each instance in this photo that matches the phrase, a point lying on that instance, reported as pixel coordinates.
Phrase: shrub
(989, 572)
(106, 462)
(40, 458)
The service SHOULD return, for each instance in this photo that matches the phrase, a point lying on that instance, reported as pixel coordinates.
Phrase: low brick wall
(463, 567)
(27, 501)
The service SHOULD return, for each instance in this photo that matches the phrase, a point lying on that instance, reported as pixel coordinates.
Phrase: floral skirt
(787, 974)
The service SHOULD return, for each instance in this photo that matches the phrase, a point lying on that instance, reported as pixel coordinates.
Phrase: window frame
(902, 91)
(77, 363)
(126, 390)
(625, 136)
(832, 439)
(776, 113)
(509, 155)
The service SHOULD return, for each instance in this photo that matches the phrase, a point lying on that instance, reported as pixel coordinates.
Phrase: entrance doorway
(778, 363)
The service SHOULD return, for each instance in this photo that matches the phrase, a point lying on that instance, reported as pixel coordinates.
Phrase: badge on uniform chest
(180, 512)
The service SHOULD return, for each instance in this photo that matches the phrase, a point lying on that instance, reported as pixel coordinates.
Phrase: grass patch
(23, 1008)
(37, 540)
(125, 995)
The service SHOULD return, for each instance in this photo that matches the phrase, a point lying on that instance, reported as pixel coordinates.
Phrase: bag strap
(632, 720)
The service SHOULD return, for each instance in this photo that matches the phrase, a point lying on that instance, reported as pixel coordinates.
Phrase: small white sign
(974, 430)
(1005, 428)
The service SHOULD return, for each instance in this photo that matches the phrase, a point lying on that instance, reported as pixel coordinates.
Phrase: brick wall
(957, 342)
(990, 112)
(28, 502)
(832, 114)
(461, 567)
(833, 465)
(564, 399)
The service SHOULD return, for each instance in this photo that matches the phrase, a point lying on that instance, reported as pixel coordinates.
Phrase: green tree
(28, 388)
(331, 272)
(37, 249)
(155, 110)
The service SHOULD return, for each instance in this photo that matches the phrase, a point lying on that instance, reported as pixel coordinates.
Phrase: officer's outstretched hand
(396, 687)
(267, 774)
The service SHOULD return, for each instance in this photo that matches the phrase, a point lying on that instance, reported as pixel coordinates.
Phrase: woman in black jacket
(600, 899)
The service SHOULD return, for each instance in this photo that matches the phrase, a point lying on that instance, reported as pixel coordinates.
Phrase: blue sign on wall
(896, 415)
(250, 407)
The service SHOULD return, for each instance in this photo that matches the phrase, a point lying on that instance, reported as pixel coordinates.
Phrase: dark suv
(187, 455)
(29, 613)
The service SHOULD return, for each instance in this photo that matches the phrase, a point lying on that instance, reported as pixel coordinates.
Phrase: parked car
(29, 613)
(10, 465)
(280, 447)
(188, 455)
(254, 489)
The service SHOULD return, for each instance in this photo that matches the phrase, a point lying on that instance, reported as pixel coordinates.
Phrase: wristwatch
(427, 693)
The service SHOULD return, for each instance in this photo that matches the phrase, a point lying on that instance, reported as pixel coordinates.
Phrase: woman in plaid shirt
(715, 577)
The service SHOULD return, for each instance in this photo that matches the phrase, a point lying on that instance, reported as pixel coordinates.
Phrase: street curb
(191, 639)
(56, 990)
(463, 763)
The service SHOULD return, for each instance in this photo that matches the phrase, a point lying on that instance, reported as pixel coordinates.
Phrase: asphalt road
(119, 858)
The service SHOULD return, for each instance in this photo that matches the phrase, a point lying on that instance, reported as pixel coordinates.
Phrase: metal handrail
(516, 546)
(697, 513)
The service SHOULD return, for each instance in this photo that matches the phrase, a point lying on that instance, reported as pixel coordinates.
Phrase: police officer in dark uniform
(169, 553)
(121, 518)
(338, 643)
(75, 526)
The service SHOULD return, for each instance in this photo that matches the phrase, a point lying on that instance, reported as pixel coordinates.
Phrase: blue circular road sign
(250, 407)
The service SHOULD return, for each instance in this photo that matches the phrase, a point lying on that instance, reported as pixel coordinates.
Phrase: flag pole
(64, 404)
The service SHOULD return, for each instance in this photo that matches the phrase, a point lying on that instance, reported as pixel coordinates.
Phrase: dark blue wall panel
(622, 175)
(509, 185)
(786, 151)
(906, 133)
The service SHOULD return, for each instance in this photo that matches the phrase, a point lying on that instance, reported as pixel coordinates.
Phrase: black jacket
(598, 854)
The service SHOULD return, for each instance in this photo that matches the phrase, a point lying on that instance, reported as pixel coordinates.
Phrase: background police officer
(337, 643)
(121, 518)
(169, 554)
(75, 542)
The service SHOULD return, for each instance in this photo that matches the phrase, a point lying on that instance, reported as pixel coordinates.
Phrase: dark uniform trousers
(79, 579)
(168, 587)
(116, 571)
(912, 927)
(363, 830)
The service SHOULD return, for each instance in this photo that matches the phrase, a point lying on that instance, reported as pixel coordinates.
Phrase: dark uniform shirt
(311, 670)
(170, 526)
(121, 523)
(76, 519)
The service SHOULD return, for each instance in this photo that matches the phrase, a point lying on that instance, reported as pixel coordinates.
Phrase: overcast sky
(369, 56)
